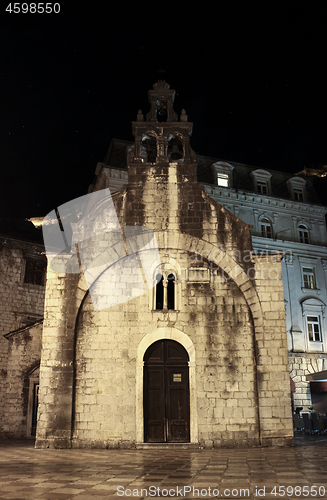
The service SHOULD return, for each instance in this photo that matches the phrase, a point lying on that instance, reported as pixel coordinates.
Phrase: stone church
(197, 351)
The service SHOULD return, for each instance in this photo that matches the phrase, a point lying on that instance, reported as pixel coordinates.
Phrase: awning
(317, 376)
(318, 386)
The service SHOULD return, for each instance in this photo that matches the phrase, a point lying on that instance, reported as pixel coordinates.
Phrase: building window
(159, 292)
(34, 271)
(261, 181)
(171, 292)
(262, 187)
(266, 231)
(309, 278)
(165, 292)
(223, 172)
(298, 194)
(304, 234)
(297, 188)
(222, 179)
(313, 328)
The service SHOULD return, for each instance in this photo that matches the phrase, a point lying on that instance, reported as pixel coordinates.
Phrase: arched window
(303, 234)
(165, 291)
(266, 229)
(171, 292)
(159, 292)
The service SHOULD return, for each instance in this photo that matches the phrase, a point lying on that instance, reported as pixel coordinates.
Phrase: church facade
(197, 353)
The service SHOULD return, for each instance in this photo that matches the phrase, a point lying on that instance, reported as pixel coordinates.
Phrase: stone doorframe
(186, 342)
(33, 378)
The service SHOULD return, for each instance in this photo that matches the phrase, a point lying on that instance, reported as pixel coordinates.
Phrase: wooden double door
(166, 393)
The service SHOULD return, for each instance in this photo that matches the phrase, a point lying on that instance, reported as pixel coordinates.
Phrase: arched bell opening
(161, 111)
(149, 149)
(175, 149)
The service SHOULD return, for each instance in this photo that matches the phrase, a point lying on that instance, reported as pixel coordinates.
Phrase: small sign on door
(177, 377)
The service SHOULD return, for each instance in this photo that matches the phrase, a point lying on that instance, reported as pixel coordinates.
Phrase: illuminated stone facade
(219, 330)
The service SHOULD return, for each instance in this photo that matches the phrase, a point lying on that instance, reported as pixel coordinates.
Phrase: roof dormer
(223, 173)
(262, 184)
(296, 187)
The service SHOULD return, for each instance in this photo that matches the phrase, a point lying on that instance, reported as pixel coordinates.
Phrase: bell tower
(162, 139)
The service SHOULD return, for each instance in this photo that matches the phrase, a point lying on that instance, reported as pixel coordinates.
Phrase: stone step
(167, 446)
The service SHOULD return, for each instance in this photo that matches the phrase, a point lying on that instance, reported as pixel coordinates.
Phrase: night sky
(251, 76)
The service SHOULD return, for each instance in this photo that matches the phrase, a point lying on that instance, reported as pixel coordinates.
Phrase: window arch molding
(265, 226)
(272, 217)
(167, 283)
(304, 223)
(180, 134)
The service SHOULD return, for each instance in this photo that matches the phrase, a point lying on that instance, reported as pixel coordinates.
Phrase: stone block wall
(301, 365)
(24, 351)
(213, 315)
(240, 381)
(272, 355)
(18, 300)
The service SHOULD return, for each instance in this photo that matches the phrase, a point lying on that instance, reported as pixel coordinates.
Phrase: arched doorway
(166, 394)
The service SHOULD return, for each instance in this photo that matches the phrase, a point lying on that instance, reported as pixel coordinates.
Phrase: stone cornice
(254, 200)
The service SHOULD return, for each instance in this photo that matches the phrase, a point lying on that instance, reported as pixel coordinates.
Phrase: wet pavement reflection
(272, 473)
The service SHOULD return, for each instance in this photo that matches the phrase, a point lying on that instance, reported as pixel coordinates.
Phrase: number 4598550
(33, 8)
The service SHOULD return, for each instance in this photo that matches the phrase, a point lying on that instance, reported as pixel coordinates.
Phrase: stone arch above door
(225, 260)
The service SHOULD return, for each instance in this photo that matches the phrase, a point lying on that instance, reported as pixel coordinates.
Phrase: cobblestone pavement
(292, 473)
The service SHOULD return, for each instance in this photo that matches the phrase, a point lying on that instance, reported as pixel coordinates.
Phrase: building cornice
(300, 249)
(250, 198)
